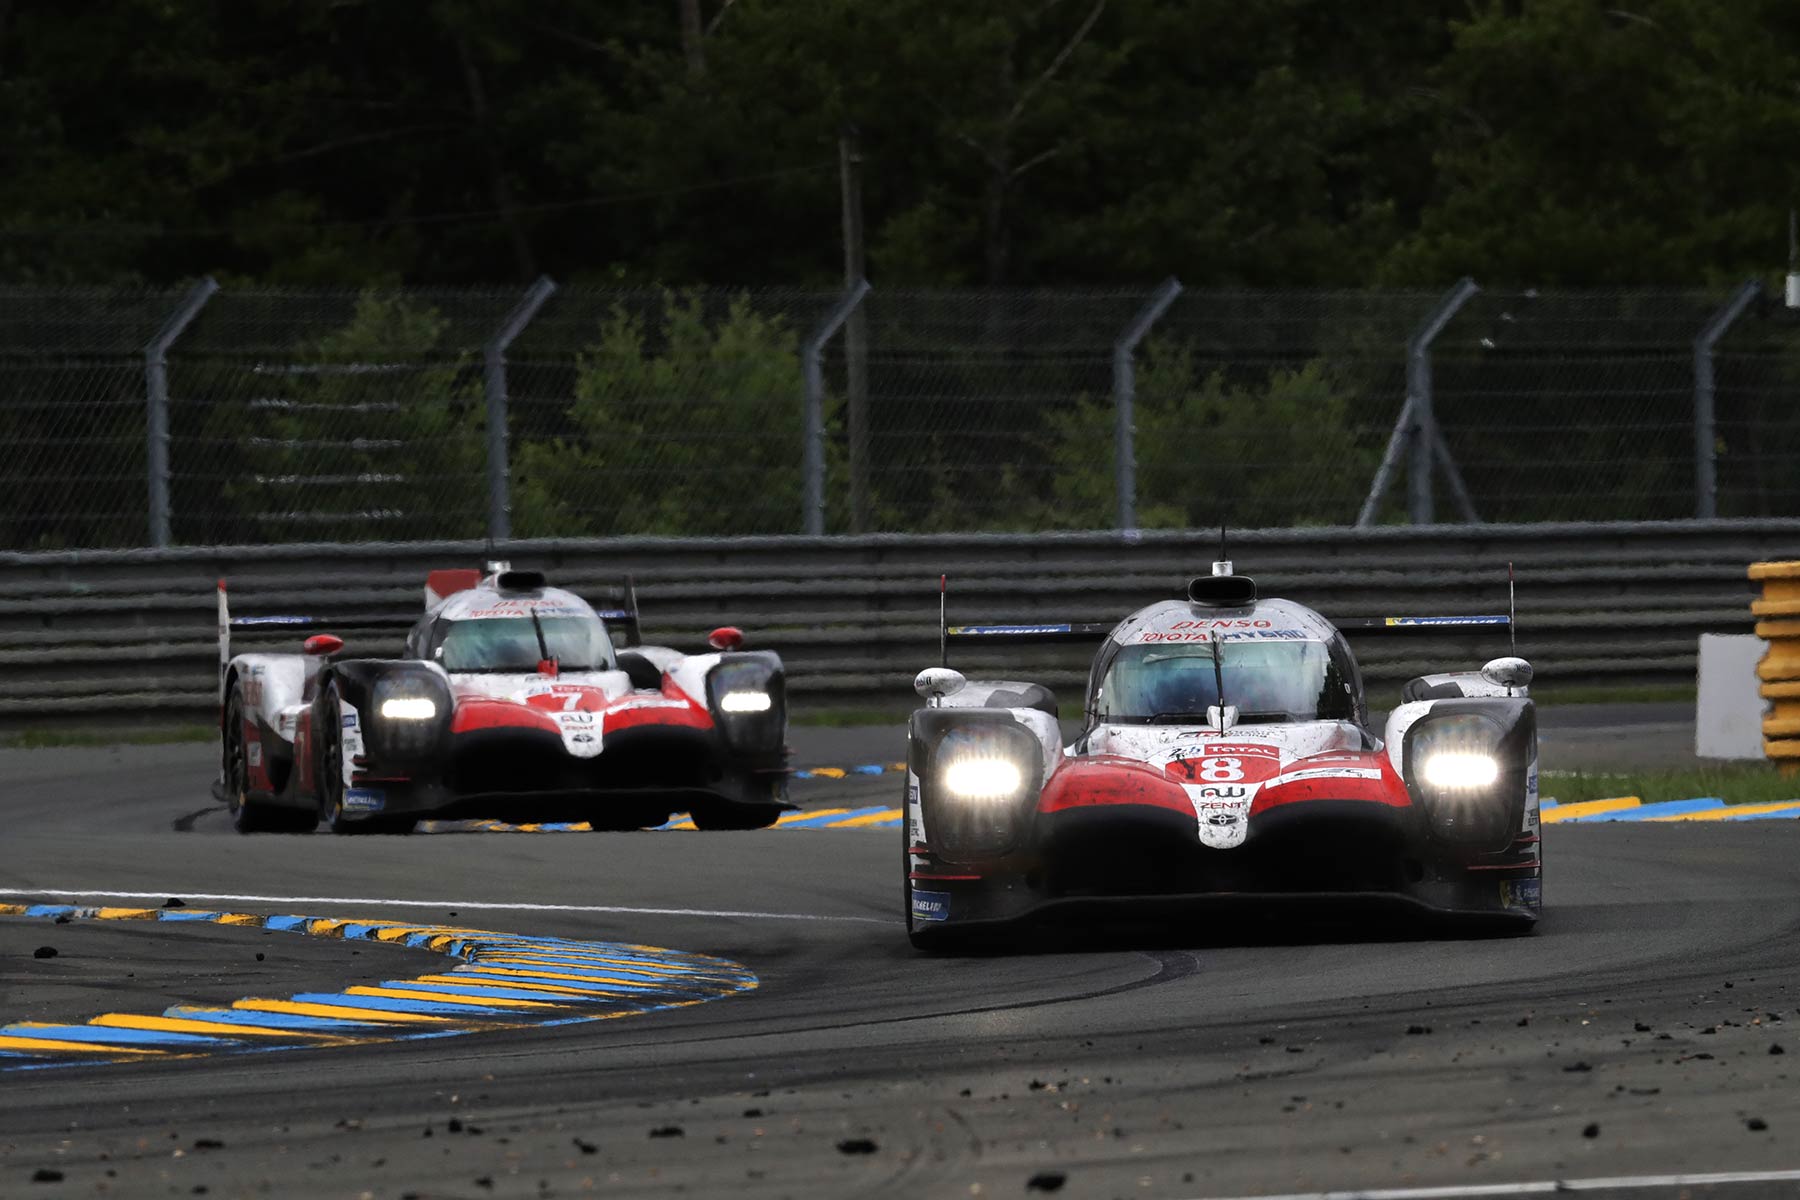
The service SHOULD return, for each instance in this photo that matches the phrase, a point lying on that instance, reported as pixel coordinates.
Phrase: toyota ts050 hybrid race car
(1226, 757)
(510, 703)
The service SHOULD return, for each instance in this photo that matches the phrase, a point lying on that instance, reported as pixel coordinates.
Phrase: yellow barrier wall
(1778, 623)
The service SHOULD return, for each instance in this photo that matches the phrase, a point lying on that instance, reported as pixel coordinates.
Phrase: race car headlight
(1461, 773)
(748, 700)
(981, 778)
(1454, 771)
(407, 717)
(979, 787)
(409, 708)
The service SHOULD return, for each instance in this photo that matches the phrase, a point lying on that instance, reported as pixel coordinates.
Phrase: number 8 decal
(1222, 770)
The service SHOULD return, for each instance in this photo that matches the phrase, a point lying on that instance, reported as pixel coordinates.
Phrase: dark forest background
(1017, 142)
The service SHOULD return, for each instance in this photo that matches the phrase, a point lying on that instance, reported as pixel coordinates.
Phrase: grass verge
(38, 739)
(1737, 783)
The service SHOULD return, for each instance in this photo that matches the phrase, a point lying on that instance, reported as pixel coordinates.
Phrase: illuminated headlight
(983, 778)
(1465, 771)
(745, 692)
(409, 708)
(978, 783)
(1456, 772)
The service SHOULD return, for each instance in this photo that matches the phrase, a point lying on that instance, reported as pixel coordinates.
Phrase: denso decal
(523, 608)
(635, 704)
(1234, 635)
(1226, 623)
(930, 906)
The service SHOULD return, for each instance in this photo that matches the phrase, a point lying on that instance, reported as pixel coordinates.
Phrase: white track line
(473, 905)
(1539, 1187)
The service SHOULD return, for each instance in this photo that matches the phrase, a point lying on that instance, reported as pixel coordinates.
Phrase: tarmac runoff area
(1638, 1044)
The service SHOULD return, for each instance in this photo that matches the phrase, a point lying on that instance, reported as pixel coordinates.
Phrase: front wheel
(737, 816)
(329, 774)
(920, 933)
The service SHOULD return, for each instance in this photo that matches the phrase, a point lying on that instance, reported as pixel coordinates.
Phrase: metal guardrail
(102, 636)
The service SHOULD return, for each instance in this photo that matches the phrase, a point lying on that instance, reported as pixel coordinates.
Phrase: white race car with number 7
(511, 703)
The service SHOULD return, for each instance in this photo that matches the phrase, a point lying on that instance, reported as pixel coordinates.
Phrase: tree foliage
(682, 422)
(1014, 141)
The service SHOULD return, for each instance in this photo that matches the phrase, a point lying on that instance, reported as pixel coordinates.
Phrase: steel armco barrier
(1778, 613)
(90, 637)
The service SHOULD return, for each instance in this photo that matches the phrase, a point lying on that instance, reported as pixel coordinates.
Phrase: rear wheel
(247, 816)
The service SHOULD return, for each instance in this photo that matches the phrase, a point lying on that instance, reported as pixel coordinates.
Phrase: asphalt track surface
(1634, 1035)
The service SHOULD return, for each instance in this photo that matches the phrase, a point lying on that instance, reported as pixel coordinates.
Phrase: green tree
(684, 420)
(1593, 144)
(1282, 449)
(368, 433)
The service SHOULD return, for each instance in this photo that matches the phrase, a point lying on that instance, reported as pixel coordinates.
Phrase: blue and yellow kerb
(502, 981)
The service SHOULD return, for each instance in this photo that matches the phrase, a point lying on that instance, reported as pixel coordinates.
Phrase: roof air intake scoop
(1222, 589)
(519, 581)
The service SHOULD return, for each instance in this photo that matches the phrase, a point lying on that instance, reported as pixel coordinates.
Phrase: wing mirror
(1508, 673)
(934, 683)
(322, 645)
(725, 637)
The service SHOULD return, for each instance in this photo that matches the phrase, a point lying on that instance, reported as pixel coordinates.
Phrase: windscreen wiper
(543, 646)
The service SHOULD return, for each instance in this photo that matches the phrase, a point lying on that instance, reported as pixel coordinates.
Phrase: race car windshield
(510, 644)
(1267, 681)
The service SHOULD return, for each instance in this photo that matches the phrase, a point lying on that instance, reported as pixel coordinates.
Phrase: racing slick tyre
(331, 780)
(247, 817)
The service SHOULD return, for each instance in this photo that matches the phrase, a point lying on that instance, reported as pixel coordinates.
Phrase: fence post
(156, 398)
(1419, 505)
(1706, 452)
(1125, 399)
(494, 382)
(812, 368)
